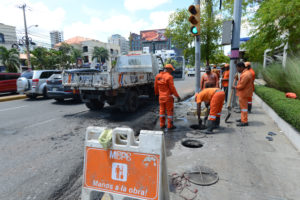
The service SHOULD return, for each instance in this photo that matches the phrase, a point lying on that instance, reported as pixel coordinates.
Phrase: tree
(64, 55)
(10, 59)
(75, 54)
(219, 57)
(276, 23)
(39, 58)
(101, 54)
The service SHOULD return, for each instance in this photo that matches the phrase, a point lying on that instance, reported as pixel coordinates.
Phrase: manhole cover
(197, 127)
(192, 143)
(203, 176)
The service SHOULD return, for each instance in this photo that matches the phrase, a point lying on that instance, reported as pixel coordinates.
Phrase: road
(41, 146)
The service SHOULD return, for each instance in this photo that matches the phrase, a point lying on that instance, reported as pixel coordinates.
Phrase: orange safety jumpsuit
(244, 90)
(253, 79)
(215, 97)
(211, 78)
(164, 87)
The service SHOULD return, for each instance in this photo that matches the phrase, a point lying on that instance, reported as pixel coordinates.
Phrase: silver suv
(33, 83)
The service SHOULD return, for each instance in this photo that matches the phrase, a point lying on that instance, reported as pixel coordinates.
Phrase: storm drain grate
(192, 143)
(202, 176)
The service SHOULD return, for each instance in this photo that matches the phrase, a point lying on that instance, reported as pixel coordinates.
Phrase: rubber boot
(217, 124)
(210, 127)
(249, 108)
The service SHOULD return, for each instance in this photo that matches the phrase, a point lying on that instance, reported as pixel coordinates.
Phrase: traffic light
(194, 19)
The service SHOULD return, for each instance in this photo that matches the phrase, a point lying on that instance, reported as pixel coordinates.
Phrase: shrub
(275, 77)
(287, 109)
(292, 72)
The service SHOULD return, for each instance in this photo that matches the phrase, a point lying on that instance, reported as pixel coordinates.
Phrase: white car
(191, 72)
(33, 83)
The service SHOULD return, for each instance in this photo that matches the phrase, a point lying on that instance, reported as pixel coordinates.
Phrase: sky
(96, 19)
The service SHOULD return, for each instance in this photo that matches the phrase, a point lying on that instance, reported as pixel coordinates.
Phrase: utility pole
(197, 57)
(26, 37)
(235, 44)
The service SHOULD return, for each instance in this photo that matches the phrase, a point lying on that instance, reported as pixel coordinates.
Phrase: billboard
(153, 35)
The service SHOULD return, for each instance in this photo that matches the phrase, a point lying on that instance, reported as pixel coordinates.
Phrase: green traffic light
(194, 30)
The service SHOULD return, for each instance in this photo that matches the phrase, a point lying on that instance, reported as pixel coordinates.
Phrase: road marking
(41, 123)
(14, 108)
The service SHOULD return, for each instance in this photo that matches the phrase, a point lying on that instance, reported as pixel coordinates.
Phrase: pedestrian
(225, 80)
(248, 65)
(214, 97)
(165, 89)
(216, 71)
(244, 90)
(209, 77)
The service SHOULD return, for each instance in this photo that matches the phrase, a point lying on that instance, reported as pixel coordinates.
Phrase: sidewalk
(248, 165)
(12, 97)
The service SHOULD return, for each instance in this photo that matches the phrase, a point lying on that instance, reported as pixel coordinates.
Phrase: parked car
(191, 72)
(8, 82)
(33, 83)
(57, 91)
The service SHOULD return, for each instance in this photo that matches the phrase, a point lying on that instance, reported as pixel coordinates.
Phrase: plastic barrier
(134, 168)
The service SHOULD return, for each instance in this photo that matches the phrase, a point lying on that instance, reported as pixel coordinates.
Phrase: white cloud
(160, 19)
(134, 5)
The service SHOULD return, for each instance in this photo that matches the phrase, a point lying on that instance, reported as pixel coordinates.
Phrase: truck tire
(132, 102)
(95, 105)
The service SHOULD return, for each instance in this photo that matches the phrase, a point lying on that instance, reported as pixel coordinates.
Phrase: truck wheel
(95, 105)
(132, 102)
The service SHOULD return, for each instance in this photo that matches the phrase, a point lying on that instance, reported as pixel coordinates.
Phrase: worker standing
(244, 90)
(225, 80)
(215, 98)
(209, 77)
(216, 71)
(248, 65)
(164, 87)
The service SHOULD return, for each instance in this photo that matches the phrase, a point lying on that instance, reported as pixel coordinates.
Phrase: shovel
(229, 103)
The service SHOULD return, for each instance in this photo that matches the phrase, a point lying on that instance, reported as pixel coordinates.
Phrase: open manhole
(202, 176)
(192, 143)
(197, 127)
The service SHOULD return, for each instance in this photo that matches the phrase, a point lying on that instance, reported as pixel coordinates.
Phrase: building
(8, 36)
(56, 37)
(117, 39)
(135, 42)
(86, 45)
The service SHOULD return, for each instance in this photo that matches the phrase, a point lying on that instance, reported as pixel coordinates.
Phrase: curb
(10, 98)
(292, 134)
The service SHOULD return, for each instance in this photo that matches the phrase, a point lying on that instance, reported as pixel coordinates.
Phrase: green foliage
(275, 77)
(218, 57)
(41, 58)
(258, 70)
(277, 22)
(10, 59)
(100, 53)
(292, 72)
(288, 109)
(171, 61)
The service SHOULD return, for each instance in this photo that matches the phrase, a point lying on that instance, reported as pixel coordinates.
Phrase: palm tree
(10, 59)
(39, 58)
(75, 54)
(100, 53)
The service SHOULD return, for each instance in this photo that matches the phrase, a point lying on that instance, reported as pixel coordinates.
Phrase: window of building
(2, 38)
(85, 49)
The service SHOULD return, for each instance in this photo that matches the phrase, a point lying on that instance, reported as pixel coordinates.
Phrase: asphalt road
(41, 145)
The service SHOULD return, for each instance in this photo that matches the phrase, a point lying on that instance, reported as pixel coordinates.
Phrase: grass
(287, 109)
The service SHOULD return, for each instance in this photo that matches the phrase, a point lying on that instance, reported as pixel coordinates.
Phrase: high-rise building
(121, 41)
(8, 36)
(56, 37)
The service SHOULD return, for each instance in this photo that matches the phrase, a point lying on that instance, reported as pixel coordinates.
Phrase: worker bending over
(215, 98)
(209, 77)
(248, 66)
(164, 87)
(244, 90)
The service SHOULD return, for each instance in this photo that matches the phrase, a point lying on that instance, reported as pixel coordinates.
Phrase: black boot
(217, 123)
(210, 127)
(249, 108)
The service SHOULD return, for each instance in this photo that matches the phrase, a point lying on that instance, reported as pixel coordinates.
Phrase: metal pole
(235, 43)
(197, 57)
(26, 38)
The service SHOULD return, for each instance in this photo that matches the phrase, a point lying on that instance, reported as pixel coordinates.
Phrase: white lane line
(14, 108)
(41, 123)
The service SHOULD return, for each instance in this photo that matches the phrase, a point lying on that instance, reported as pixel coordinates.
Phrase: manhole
(203, 176)
(192, 143)
(197, 127)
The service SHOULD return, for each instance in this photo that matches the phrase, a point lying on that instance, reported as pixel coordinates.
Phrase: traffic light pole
(235, 44)
(197, 57)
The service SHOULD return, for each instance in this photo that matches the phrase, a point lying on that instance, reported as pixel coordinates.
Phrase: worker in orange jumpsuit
(216, 71)
(244, 90)
(248, 65)
(215, 98)
(164, 87)
(225, 80)
(209, 77)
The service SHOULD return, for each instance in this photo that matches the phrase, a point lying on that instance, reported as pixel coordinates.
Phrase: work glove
(178, 99)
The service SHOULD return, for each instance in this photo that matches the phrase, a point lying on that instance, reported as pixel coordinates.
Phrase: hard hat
(226, 65)
(169, 66)
(247, 64)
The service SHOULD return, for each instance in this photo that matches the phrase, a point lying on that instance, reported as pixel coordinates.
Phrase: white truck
(121, 86)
